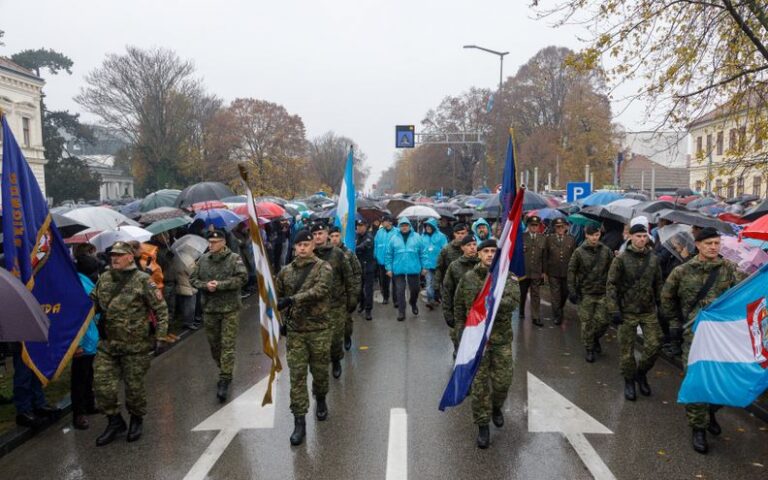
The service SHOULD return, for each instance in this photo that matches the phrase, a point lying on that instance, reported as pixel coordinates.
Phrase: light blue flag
(345, 211)
(728, 360)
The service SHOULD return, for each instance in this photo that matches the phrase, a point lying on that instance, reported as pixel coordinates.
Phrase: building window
(699, 147)
(740, 186)
(732, 139)
(757, 186)
(731, 189)
(758, 138)
(25, 129)
(720, 142)
(719, 187)
(709, 144)
(742, 138)
(699, 185)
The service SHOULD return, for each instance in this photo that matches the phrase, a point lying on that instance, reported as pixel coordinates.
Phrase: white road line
(397, 451)
(208, 459)
(589, 456)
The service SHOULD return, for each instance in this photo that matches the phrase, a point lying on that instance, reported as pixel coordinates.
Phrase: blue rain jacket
(405, 258)
(90, 339)
(433, 244)
(380, 242)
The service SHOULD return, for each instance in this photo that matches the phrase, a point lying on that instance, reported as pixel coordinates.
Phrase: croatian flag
(728, 360)
(480, 319)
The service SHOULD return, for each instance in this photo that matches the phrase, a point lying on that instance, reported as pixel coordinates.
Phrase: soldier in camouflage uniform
(125, 297)
(304, 289)
(456, 271)
(587, 275)
(558, 249)
(357, 280)
(343, 293)
(684, 294)
(451, 252)
(533, 250)
(494, 376)
(633, 291)
(219, 275)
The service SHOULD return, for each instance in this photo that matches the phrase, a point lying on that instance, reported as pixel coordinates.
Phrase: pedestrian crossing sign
(405, 136)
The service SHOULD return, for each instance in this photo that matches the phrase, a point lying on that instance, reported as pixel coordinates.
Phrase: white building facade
(20, 93)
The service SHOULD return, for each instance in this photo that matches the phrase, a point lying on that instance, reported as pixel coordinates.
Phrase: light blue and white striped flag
(346, 209)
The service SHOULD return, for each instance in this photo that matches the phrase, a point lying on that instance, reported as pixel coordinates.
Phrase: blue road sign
(405, 136)
(577, 190)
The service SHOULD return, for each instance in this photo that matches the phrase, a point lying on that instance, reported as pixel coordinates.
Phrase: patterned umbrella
(747, 257)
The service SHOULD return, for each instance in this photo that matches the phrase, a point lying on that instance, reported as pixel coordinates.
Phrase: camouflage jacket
(683, 285)
(125, 298)
(456, 271)
(357, 270)
(469, 286)
(557, 254)
(588, 269)
(630, 289)
(533, 250)
(311, 302)
(343, 294)
(228, 269)
(450, 253)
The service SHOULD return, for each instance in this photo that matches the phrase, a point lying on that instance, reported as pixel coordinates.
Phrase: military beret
(121, 248)
(706, 233)
(216, 234)
(468, 239)
(533, 219)
(302, 235)
(317, 226)
(489, 243)
(559, 221)
(459, 226)
(591, 229)
(638, 228)
(334, 229)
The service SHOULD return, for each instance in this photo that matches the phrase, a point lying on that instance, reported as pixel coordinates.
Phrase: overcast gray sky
(357, 67)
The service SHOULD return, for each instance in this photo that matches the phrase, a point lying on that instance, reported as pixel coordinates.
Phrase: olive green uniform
(221, 308)
(587, 276)
(680, 291)
(494, 375)
(307, 281)
(126, 298)
(343, 295)
(557, 254)
(533, 250)
(448, 254)
(634, 289)
(453, 275)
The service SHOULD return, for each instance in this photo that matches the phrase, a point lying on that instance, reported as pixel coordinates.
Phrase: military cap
(216, 234)
(706, 233)
(559, 221)
(459, 226)
(334, 229)
(533, 220)
(360, 222)
(638, 228)
(317, 226)
(591, 229)
(468, 239)
(489, 243)
(121, 248)
(302, 235)
(386, 218)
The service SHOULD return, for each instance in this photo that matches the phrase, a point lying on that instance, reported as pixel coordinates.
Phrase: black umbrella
(636, 196)
(684, 192)
(67, 226)
(202, 192)
(743, 198)
(531, 201)
(649, 209)
(23, 319)
(600, 213)
(696, 219)
(757, 211)
(445, 212)
(700, 203)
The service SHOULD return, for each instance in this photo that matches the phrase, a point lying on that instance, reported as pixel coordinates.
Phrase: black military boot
(299, 430)
(537, 322)
(115, 426)
(629, 389)
(222, 390)
(590, 356)
(596, 347)
(321, 409)
(484, 437)
(714, 427)
(368, 315)
(700, 441)
(498, 417)
(347, 343)
(642, 382)
(336, 370)
(134, 429)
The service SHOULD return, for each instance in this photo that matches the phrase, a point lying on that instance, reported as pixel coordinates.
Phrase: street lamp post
(501, 56)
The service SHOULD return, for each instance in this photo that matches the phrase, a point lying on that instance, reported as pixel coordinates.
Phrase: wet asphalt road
(403, 365)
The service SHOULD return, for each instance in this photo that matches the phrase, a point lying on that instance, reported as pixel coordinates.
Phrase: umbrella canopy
(371, 214)
(161, 226)
(161, 213)
(757, 211)
(67, 226)
(160, 198)
(677, 238)
(99, 217)
(747, 257)
(696, 219)
(235, 199)
(713, 210)
(220, 218)
(475, 202)
(581, 220)
(757, 229)
(743, 198)
(23, 319)
(131, 210)
(419, 212)
(444, 212)
(83, 237)
(600, 198)
(546, 213)
(700, 203)
(268, 210)
(128, 233)
(302, 207)
(464, 212)
(207, 205)
(636, 196)
(600, 213)
(189, 248)
(649, 209)
(531, 201)
(623, 208)
(201, 192)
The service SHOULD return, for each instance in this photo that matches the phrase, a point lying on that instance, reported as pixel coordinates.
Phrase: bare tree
(328, 158)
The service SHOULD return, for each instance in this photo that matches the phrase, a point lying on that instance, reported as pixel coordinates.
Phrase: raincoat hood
(432, 223)
(403, 220)
(478, 222)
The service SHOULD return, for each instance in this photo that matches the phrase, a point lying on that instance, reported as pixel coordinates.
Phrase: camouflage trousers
(338, 316)
(649, 324)
(593, 318)
(454, 339)
(307, 350)
(492, 381)
(221, 330)
(348, 325)
(696, 413)
(130, 364)
(558, 294)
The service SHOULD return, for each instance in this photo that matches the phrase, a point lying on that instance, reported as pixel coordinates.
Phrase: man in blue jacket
(380, 243)
(405, 260)
(434, 241)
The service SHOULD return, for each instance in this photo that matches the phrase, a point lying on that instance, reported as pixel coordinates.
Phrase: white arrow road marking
(397, 451)
(242, 413)
(548, 411)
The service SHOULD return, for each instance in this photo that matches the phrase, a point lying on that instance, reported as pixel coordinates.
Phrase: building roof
(753, 100)
(636, 172)
(10, 66)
